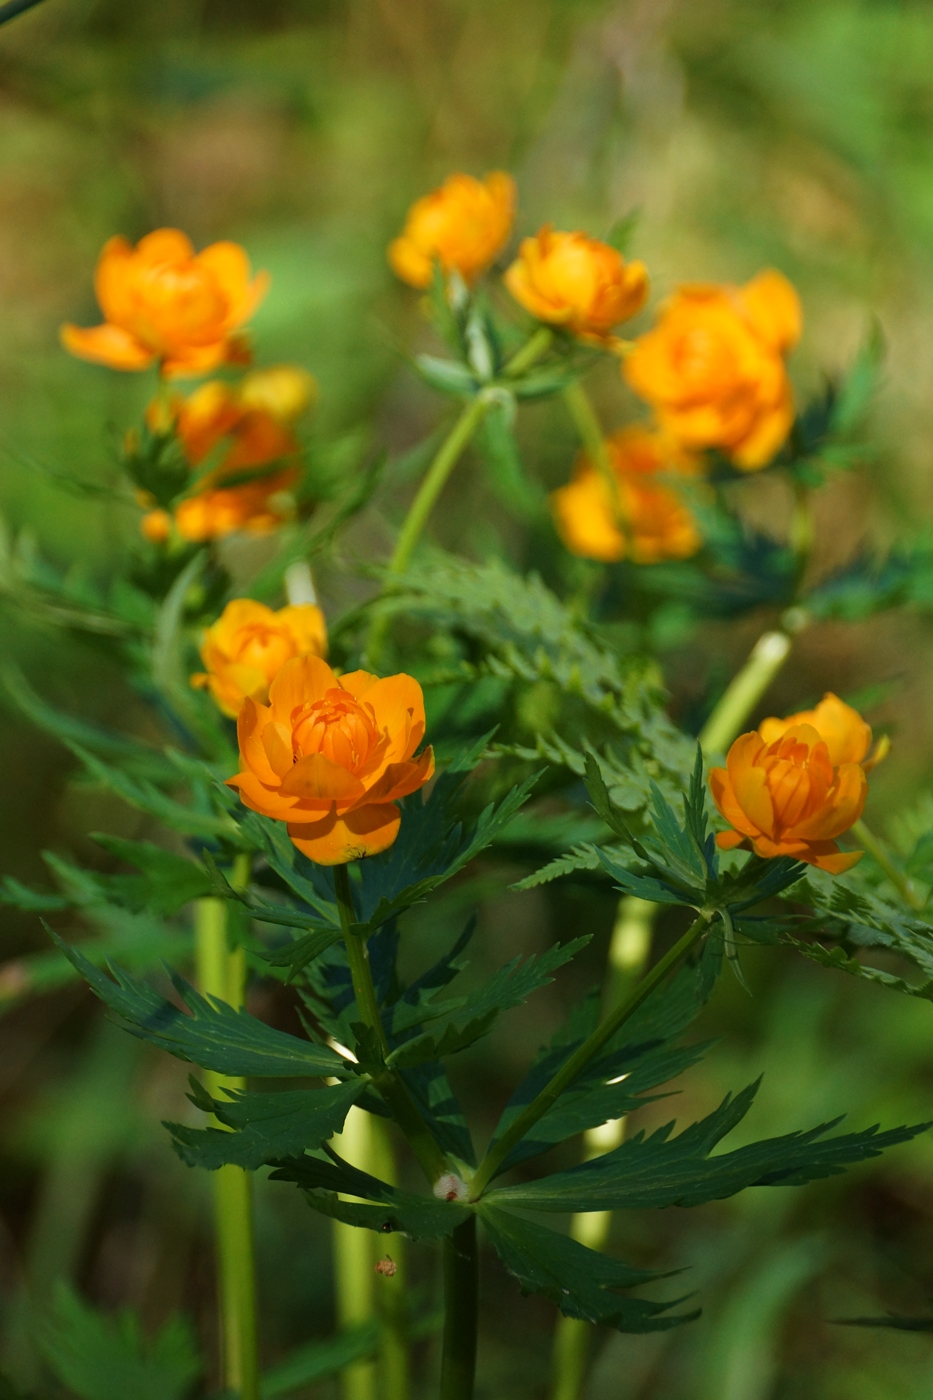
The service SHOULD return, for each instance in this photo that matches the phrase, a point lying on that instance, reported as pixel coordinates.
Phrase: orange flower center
(177, 299)
(339, 727)
(799, 777)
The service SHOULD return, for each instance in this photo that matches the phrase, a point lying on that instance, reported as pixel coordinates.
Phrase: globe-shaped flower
(571, 280)
(462, 225)
(787, 798)
(713, 368)
(846, 735)
(163, 303)
(249, 644)
(331, 757)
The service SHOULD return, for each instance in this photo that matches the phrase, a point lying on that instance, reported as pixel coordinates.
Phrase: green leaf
(647, 1173)
(319, 1360)
(167, 881)
(457, 1025)
(585, 857)
(147, 798)
(923, 1323)
(296, 955)
(620, 234)
(422, 1217)
(214, 1036)
(101, 1358)
(504, 468)
(266, 1127)
(449, 376)
(582, 1283)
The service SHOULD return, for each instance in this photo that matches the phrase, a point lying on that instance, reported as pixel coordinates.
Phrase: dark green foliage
(579, 1281)
(265, 1126)
(214, 1036)
(100, 1358)
(423, 1217)
(319, 1360)
(647, 1173)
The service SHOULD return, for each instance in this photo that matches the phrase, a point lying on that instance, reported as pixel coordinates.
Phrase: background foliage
(790, 134)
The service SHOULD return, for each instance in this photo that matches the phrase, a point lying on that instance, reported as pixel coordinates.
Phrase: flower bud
(571, 280)
(462, 225)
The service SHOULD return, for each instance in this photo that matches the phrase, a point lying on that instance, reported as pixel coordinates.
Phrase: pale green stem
(581, 410)
(354, 1260)
(875, 848)
(744, 691)
(577, 1062)
(629, 950)
(391, 1289)
(221, 972)
(438, 472)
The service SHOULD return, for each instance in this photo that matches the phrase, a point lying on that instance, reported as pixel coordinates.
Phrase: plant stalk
(745, 690)
(391, 1290)
(221, 973)
(354, 1261)
(389, 1084)
(461, 1312)
(875, 848)
(585, 419)
(629, 950)
(581, 1057)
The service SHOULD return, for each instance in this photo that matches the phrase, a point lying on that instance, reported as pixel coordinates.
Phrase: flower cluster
(712, 371)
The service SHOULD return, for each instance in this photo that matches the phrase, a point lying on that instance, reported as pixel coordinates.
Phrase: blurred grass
(793, 133)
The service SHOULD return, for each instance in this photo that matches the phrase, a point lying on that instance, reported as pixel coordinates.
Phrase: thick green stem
(390, 1085)
(355, 1261)
(222, 973)
(875, 848)
(461, 1313)
(391, 1288)
(581, 1057)
(629, 950)
(744, 691)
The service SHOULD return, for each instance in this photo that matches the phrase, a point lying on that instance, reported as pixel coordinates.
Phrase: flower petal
(336, 840)
(106, 345)
(400, 779)
(317, 779)
(300, 681)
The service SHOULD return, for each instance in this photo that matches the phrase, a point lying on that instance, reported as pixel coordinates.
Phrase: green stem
(389, 1084)
(442, 464)
(392, 1290)
(581, 410)
(535, 346)
(629, 950)
(745, 690)
(581, 1057)
(355, 1261)
(222, 973)
(875, 848)
(461, 1312)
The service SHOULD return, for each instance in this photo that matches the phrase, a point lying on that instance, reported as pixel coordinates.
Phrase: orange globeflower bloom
(655, 524)
(462, 225)
(846, 735)
(568, 279)
(156, 526)
(164, 303)
(788, 798)
(255, 420)
(713, 368)
(249, 644)
(332, 756)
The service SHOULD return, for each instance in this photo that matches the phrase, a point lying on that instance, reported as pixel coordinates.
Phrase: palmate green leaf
(467, 1019)
(642, 1054)
(858, 916)
(214, 1036)
(109, 1358)
(422, 1217)
(647, 1173)
(584, 857)
(265, 1127)
(582, 1283)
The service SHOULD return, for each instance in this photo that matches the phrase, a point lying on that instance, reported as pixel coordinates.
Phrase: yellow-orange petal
(303, 679)
(730, 840)
(401, 779)
(725, 799)
(398, 704)
(106, 345)
(832, 860)
(335, 840)
(774, 309)
(317, 779)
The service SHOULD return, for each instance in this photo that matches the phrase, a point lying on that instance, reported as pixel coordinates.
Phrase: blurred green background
(796, 133)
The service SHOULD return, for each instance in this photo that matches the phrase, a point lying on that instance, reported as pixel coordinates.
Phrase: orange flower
(846, 735)
(462, 225)
(254, 418)
(156, 526)
(331, 757)
(249, 644)
(164, 302)
(657, 524)
(713, 368)
(788, 798)
(568, 279)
